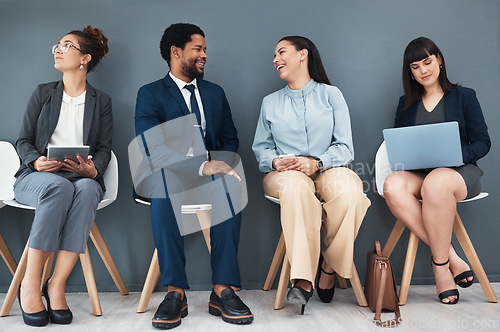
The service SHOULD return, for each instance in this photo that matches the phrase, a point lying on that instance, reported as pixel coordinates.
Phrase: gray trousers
(65, 209)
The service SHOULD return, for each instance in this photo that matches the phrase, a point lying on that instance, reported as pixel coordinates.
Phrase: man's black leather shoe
(230, 307)
(170, 311)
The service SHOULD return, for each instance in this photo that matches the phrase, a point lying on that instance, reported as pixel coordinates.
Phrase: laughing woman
(309, 120)
(65, 193)
(425, 200)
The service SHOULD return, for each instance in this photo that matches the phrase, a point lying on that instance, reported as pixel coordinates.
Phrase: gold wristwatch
(319, 163)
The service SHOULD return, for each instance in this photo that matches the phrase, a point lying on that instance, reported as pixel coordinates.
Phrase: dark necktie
(194, 103)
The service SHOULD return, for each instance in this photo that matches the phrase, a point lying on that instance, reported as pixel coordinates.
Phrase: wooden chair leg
(471, 254)
(88, 273)
(150, 283)
(275, 264)
(393, 238)
(99, 243)
(342, 282)
(47, 268)
(7, 256)
(10, 298)
(411, 252)
(205, 223)
(358, 289)
(282, 284)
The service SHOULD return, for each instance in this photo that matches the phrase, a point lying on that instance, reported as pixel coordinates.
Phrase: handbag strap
(378, 250)
(380, 298)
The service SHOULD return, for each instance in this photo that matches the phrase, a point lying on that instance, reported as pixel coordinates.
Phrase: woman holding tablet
(426, 200)
(65, 193)
(303, 143)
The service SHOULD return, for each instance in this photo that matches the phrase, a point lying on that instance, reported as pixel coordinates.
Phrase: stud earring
(412, 77)
(81, 67)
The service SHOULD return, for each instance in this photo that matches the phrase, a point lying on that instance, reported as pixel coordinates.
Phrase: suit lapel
(207, 110)
(173, 89)
(88, 113)
(55, 108)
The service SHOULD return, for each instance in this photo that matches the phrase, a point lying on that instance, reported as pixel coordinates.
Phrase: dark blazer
(158, 105)
(461, 105)
(162, 101)
(41, 118)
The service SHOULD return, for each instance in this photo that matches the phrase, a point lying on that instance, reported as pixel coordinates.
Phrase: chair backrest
(382, 168)
(111, 182)
(8, 167)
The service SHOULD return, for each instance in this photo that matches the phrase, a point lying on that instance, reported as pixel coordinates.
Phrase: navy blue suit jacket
(461, 105)
(162, 101)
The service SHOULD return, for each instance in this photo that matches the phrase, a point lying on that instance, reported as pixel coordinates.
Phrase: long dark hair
(315, 66)
(418, 49)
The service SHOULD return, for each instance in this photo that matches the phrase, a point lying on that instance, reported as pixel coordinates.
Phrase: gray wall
(362, 44)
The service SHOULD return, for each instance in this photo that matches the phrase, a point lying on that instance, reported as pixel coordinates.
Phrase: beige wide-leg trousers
(344, 204)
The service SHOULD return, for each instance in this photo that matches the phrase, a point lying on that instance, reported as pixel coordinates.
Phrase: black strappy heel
(325, 295)
(447, 293)
(464, 275)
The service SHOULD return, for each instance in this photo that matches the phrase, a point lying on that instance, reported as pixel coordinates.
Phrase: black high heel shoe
(325, 295)
(62, 316)
(40, 318)
(299, 295)
(464, 275)
(447, 293)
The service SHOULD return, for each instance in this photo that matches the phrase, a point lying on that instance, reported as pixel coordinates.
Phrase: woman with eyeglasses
(425, 200)
(69, 112)
(303, 143)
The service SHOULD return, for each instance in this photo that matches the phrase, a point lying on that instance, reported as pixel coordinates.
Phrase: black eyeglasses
(64, 47)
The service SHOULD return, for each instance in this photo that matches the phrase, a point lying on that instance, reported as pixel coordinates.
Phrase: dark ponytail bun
(92, 42)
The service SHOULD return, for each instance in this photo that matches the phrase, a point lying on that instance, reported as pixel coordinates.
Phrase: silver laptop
(425, 146)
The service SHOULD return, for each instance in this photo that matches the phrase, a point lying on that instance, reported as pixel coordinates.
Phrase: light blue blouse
(313, 121)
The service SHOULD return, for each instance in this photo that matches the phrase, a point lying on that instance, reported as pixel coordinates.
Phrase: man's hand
(82, 167)
(219, 167)
(282, 165)
(44, 165)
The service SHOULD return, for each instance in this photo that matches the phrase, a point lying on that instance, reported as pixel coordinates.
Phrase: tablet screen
(67, 152)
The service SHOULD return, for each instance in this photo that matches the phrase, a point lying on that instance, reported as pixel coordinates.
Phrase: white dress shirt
(69, 128)
(187, 95)
(187, 98)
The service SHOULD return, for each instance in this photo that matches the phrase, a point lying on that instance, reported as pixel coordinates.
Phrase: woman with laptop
(425, 200)
(303, 143)
(65, 192)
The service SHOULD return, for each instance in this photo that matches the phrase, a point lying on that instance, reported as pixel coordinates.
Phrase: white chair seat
(185, 209)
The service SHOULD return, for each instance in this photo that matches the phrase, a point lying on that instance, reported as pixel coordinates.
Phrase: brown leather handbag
(380, 287)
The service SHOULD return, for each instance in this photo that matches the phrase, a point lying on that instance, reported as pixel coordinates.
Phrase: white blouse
(69, 129)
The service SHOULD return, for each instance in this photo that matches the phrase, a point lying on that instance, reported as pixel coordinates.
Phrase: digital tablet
(67, 152)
